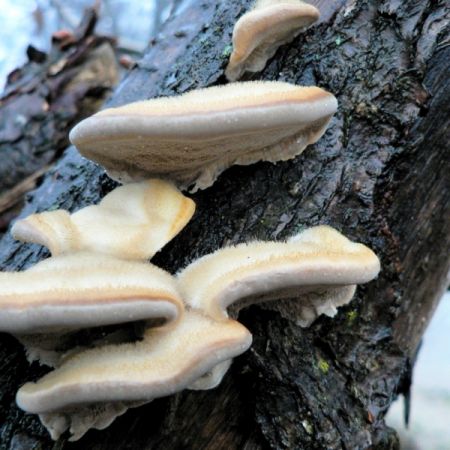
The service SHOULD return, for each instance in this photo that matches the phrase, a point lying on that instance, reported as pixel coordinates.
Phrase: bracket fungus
(85, 290)
(268, 25)
(318, 269)
(166, 361)
(98, 274)
(132, 222)
(317, 260)
(194, 137)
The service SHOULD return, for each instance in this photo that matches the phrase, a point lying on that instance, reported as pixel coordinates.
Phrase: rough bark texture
(43, 100)
(380, 175)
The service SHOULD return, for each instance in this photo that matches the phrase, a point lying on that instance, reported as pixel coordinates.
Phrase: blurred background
(25, 22)
(133, 24)
(429, 427)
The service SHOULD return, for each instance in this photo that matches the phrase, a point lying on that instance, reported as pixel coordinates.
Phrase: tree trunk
(380, 175)
(45, 98)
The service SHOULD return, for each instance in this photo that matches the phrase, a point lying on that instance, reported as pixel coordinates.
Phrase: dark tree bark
(380, 175)
(43, 100)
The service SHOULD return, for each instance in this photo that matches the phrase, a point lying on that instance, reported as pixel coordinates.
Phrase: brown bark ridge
(43, 99)
(380, 175)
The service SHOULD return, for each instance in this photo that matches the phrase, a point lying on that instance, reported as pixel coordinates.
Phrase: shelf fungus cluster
(189, 339)
(98, 274)
(119, 331)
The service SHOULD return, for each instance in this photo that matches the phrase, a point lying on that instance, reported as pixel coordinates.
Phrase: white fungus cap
(192, 138)
(85, 290)
(311, 274)
(268, 25)
(132, 222)
(166, 361)
(315, 260)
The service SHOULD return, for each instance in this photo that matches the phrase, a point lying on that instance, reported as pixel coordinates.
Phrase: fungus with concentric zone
(192, 138)
(167, 360)
(268, 25)
(317, 269)
(82, 290)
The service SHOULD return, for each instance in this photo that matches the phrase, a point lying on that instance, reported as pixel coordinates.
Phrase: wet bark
(43, 99)
(380, 175)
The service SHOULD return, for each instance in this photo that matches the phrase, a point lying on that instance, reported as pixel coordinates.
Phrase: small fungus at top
(268, 25)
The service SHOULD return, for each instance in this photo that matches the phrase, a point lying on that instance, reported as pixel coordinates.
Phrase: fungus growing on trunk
(192, 138)
(317, 270)
(83, 290)
(268, 25)
(318, 260)
(166, 361)
(132, 222)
